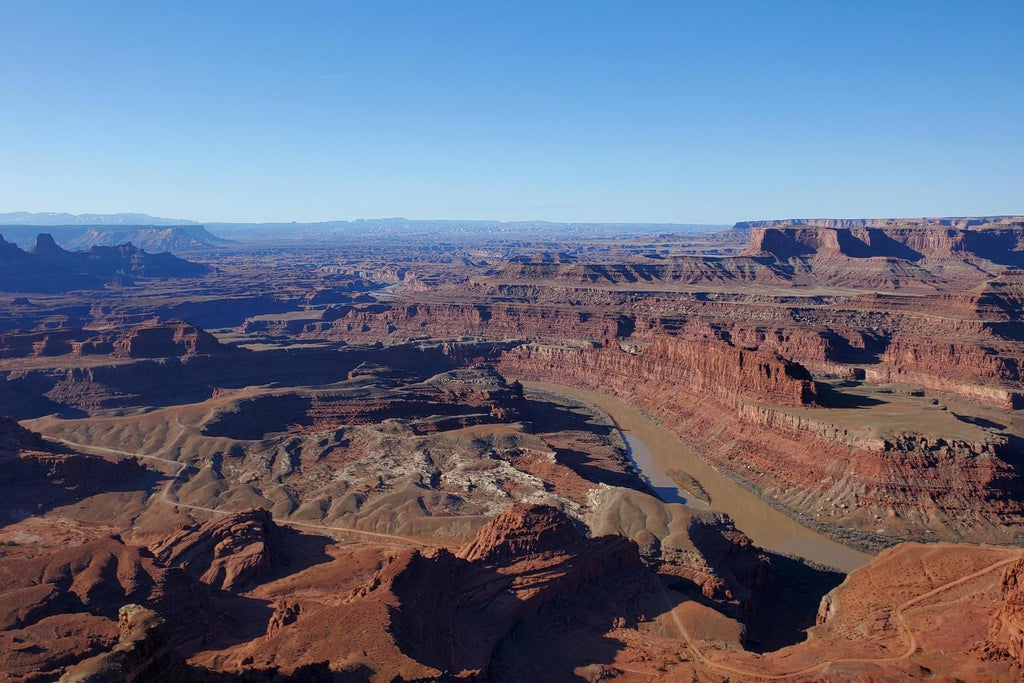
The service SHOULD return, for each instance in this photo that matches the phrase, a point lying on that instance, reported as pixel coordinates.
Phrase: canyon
(408, 457)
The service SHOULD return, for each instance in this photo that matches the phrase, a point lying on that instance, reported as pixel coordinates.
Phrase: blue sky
(559, 110)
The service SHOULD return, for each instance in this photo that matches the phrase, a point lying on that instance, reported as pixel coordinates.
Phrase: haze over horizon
(577, 112)
(64, 219)
(115, 221)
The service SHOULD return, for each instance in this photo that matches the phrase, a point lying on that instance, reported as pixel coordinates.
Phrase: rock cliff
(863, 489)
(144, 652)
(706, 367)
(61, 608)
(154, 338)
(172, 338)
(1006, 632)
(998, 243)
(990, 373)
(521, 560)
(228, 553)
(48, 268)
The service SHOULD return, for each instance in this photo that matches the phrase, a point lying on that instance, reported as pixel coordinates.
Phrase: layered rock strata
(1006, 632)
(996, 243)
(227, 553)
(864, 489)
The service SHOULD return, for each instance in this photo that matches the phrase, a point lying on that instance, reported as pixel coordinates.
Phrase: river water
(656, 451)
(664, 485)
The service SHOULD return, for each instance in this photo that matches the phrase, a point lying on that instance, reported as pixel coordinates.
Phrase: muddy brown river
(656, 451)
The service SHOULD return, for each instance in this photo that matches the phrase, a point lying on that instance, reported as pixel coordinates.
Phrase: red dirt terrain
(375, 460)
(478, 611)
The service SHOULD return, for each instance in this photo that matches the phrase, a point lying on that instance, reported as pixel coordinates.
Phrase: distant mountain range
(164, 234)
(37, 219)
(419, 230)
(153, 239)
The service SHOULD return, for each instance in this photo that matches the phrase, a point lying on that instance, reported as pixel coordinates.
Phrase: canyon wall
(1006, 632)
(151, 339)
(707, 367)
(963, 368)
(495, 321)
(1001, 243)
(691, 270)
(730, 405)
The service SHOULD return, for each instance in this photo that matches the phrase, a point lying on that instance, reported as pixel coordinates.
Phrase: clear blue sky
(589, 111)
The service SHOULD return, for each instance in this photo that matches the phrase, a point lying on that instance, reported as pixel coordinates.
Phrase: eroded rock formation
(832, 478)
(48, 268)
(37, 474)
(997, 242)
(144, 652)
(1006, 632)
(228, 553)
(860, 375)
(61, 608)
(446, 612)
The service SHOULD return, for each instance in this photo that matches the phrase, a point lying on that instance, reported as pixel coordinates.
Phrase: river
(656, 451)
(664, 485)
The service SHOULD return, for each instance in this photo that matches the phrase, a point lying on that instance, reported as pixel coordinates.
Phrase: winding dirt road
(165, 496)
(899, 613)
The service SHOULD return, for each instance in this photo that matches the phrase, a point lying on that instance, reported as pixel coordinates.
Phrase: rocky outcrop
(173, 338)
(520, 531)
(453, 608)
(727, 566)
(151, 339)
(449, 610)
(144, 652)
(432, 614)
(61, 608)
(228, 553)
(285, 613)
(1006, 632)
(48, 268)
(37, 474)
